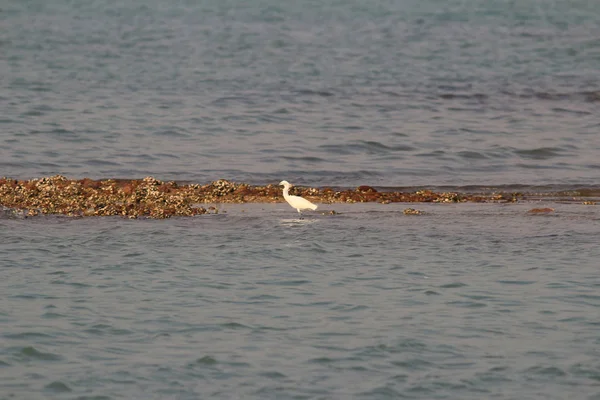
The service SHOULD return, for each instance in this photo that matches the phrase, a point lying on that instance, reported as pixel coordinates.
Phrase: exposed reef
(152, 198)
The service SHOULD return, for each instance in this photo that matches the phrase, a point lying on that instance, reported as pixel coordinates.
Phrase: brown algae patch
(152, 198)
(412, 211)
(545, 210)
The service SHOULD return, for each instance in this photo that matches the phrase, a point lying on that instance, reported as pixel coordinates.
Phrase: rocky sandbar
(150, 197)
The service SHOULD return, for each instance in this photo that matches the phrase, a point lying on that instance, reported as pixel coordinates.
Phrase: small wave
(453, 285)
(101, 163)
(541, 153)
(467, 304)
(383, 392)
(584, 371)
(229, 100)
(32, 353)
(472, 155)
(568, 111)
(585, 96)
(365, 146)
(58, 132)
(272, 374)
(475, 96)
(173, 132)
(413, 364)
(589, 96)
(58, 387)
(308, 92)
(284, 282)
(516, 282)
(234, 325)
(27, 335)
(206, 360)
(264, 297)
(51, 315)
(549, 372)
(321, 360)
(304, 159)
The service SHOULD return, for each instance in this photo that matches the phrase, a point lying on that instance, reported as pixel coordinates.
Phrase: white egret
(296, 202)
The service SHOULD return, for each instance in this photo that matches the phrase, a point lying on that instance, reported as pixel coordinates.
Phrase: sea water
(388, 93)
(467, 301)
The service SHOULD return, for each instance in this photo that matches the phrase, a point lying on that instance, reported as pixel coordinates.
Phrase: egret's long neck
(286, 193)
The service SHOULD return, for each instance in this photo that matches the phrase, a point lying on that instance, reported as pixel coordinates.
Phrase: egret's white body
(296, 202)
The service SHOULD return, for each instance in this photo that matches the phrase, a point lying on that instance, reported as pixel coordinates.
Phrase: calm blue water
(467, 301)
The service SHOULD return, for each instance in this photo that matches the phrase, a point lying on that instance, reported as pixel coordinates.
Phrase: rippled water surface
(383, 92)
(465, 302)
